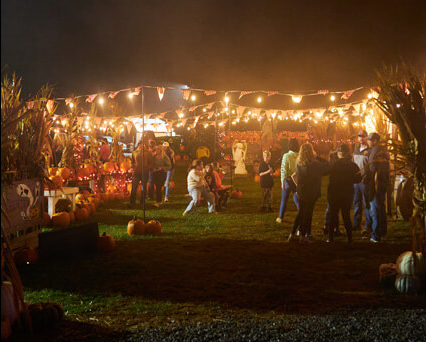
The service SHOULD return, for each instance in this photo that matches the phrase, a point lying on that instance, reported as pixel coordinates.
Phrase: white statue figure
(239, 151)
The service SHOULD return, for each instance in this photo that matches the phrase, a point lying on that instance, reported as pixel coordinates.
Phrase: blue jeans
(289, 187)
(169, 178)
(378, 213)
(360, 197)
(196, 194)
(150, 185)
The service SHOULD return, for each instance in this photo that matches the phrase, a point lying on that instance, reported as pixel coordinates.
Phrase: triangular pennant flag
(210, 105)
(244, 93)
(270, 93)
(347, 94)
(113, 94)
(186, 93)
(323, 92)
(191, 109)
(90, 98)
(210, 115)
(161, 91)
(162, 115)
(209, 92)
(136, 91)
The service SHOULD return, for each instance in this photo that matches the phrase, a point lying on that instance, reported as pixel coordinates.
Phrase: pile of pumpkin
(59, 175)
(124, 166)
(138, 227)
(409, 272)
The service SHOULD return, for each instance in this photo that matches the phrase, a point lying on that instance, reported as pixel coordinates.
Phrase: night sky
(87, 46)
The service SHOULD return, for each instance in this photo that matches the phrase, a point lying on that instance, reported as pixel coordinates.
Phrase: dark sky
(89, 46)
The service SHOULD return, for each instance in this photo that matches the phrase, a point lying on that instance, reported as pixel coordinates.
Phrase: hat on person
(166, 144)
(362, 133)
(373, 136)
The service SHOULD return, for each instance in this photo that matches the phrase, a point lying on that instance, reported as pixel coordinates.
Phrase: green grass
(205, 267)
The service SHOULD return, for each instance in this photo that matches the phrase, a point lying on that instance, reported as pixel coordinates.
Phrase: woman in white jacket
(197, 188)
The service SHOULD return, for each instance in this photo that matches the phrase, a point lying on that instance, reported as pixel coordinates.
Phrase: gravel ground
(371, 325)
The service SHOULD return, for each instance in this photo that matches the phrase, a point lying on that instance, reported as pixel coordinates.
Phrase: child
(266, 181)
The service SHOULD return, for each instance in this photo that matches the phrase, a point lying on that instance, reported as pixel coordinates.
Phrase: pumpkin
(172, 185)
(237, 194)
(125, 165)
(53, 171)
(80, 198)
(177, 157)
(182, 147)
(408, 284)
(91, 207)
(185, 157)
(257, 179)
(45, 314)
(61, 219)
(86, 194)
(6, 329)
(65, 173)
(407, 265)
(9, 310)
(57, 180)
(82, 172)
(90, 168)
(81, 214)
(109, 167)
(153, 227)
(105, 243)
(46, 220)
(136, 227)
(72, 216)
(25, 256)
(94, 200)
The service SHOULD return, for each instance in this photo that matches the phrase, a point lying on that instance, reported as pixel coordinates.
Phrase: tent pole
(143, 155)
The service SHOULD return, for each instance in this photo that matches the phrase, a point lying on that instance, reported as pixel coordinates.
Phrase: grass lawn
(207, 268)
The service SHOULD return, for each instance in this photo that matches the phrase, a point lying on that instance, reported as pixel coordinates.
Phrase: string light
(296, 98)
(193, 98)
(71, 105)
(130, 95)
(259, 99)
(101, 101)
(226, 100)
(332, 98)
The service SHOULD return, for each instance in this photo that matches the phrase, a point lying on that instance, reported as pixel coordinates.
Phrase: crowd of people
(361, 180)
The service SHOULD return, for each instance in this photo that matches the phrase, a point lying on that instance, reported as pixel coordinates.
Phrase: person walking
(288, 167)
(343, 175)
(309, 171)
(170, 174)
(159, 173)
(266, 181)
(377, 181)
(360, 158)
(197, 188)
(140, 175)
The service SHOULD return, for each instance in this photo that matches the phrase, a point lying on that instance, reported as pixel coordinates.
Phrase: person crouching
(343, 175)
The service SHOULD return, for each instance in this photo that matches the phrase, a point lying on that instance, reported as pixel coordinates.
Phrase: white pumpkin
(408, 284)
(8, 308)
(405, 264)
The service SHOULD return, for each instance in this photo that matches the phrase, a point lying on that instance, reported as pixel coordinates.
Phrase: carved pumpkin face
(34, 213)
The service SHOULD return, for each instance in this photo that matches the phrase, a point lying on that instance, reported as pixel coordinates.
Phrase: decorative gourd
(109, 167)
(65, 173)
(46, 220)
(25, 256)
(81, 214)
(153, 227)
(57, 180)
(408, 284)
(105, 243)
(72, 216)
(257, 179)
(6, 329)
(406, 264)
(61, 219)
(237, 194)
(9, 309)
(125, 165)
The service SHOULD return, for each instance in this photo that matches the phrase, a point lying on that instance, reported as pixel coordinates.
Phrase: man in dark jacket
(377, 181)
(360, 158)
(343, 175)
(140, 175)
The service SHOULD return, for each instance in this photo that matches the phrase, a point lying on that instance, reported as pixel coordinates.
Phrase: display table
(54, 195)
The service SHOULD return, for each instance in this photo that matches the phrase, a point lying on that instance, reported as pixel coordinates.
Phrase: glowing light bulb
(332, 98)
(130, 95)
(193, 98)
(318, 114)
(226, 99)
(71, 105)
(181, 115)
(296, 98)
(259, 99)
(273, 115)
(204, 110)
(101, 101)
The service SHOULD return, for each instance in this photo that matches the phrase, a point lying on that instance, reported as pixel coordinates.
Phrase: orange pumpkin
(82, 172)
(94, 200)
(57, 180)
(177, 157)
(125, 165)
(172, 185)
(80, 198)
(153, 227)
(136, 227)
(109, 167)
(257, 179)
(182, 147)
(25, 256)
(185, 157)
(72, 216)
(119, 196)
(86, 194)
(81, 214)
(237, 194)
(90, 168)
(91, 207)
(65, 173)
(105, 243)
(61, 219)
(46, 220)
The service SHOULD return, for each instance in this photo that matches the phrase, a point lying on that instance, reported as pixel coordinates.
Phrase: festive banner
(209, 92)
(113, 94)
(270, 93)
(136, 91)
(90, 98)
(210, 105)
(161, 91)
(186, 93)
(244, 93)
(347, 94)
(323, 92)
